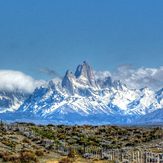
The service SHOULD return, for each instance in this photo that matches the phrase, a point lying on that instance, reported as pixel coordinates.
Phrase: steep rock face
(85, 75)
(67, 82)
(81, 82)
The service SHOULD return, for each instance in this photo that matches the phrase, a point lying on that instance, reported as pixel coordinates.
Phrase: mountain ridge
(81, 98)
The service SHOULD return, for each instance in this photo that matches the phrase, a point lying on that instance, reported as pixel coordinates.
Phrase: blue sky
(60, 34)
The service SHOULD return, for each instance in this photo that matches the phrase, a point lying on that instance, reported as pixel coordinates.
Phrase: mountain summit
(85, 74)
(80, 98)
(83, 77)
(67, 81)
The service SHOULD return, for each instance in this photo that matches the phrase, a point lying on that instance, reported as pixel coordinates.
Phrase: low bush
(65, 160)
(28, 156)
(39, 152)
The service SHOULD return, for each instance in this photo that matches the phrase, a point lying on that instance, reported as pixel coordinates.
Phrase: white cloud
(141, 77)
(15, 80)
(101, 74)
(137, 78)
(134, 78)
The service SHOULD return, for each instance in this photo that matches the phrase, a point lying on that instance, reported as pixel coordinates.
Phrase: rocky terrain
(25, 142)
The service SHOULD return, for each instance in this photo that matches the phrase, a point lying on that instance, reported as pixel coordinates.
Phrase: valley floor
(26, 142)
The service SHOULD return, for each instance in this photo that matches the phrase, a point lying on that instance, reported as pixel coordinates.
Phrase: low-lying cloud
(134, 78)
(15, 80)
(137, 78)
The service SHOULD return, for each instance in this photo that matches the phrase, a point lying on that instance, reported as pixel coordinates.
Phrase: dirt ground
(78, 160)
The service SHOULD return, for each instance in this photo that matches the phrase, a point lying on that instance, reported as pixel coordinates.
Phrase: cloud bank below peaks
(11, 80)
(136, 78)
(15, 80)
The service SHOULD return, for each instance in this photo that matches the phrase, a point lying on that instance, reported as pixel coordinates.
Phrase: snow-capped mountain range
(83, 98)
(11, 101)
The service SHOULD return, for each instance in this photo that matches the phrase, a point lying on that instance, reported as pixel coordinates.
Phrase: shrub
(39, 152)
(6, 156)
(28, 156)
(9, 143)
(25, 140)
(66, 160)
(71, 153)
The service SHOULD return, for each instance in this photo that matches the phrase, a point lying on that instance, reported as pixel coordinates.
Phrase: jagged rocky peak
(84, 72)
(51, 85)
(67, 81)
(117, 84)
(84, 77)
(69, 75)
(108, 82)
(105, 83)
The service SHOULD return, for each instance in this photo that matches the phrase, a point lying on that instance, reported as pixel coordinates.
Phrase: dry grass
(77, 160)
(28, 156)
